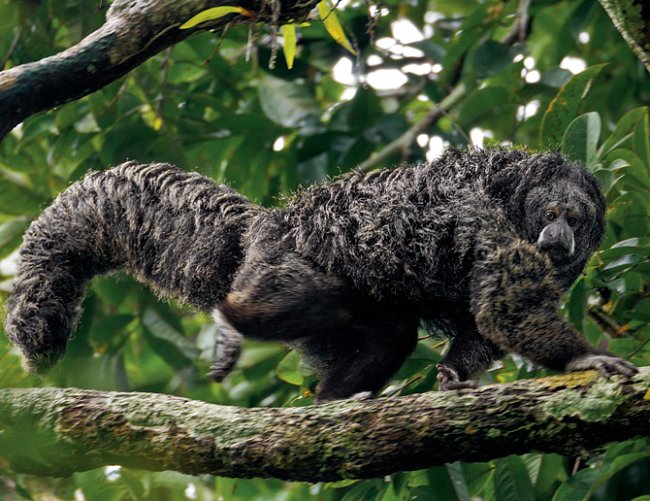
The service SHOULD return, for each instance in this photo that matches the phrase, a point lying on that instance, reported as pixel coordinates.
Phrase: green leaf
(583, 484)
(642, 140)
(624, 129)
(106, 328)
(214, 13)
(11, 233)
(636, 176)
(289, 369)
(440, 483)
(641, 311)
(491, 57)
(512, 482)
(313, 170)
(177, 350)
(564, 106)
(458, 480)
(333, 26)
(289, 46)
(483, 104)
(289, 104)
(15, 199)
(551, 470)
(580, 140)
(639, 246)
(577, 304)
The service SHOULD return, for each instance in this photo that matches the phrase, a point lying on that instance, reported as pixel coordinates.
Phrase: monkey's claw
(448, 379)
(607, 365)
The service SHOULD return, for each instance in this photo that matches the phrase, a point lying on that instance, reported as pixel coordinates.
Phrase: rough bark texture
(52, 431)
(134, 31)
(632, 20)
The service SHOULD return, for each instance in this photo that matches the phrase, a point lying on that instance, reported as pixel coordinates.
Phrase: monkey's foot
(607, 365)
(448, 379)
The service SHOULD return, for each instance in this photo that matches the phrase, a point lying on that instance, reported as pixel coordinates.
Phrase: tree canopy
(268, 97)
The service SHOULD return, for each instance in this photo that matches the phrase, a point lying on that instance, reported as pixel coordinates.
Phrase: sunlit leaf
(289, 47)
(289, 369)
(333, 25)
(214, 13)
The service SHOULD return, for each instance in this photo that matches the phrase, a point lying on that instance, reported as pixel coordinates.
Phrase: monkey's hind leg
(468, 357)
(359, 360)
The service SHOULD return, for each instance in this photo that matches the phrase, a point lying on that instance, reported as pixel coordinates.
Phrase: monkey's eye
(550, 215)
(572, 221)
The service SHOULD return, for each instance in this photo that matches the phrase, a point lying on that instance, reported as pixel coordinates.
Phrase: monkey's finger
(612, 366)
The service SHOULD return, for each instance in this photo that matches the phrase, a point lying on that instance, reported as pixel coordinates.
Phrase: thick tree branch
(632, 19)
(134, 31)
(52, 431)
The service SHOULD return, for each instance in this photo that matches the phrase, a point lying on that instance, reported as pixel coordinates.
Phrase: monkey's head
(564, 222)
(557, 205)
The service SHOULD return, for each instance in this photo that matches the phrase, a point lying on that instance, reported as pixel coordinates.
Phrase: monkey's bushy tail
(176, 231)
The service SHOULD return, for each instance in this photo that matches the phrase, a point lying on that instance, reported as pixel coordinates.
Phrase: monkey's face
(557, 237)
(563, 222)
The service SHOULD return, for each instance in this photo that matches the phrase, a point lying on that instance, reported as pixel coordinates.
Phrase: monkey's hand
(607, 365)
(448, 379)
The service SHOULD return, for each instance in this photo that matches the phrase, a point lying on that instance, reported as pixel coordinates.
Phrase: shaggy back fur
(412, 231)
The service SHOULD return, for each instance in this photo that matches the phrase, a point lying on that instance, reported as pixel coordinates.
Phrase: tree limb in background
(517, 33)
(54, 431)
(632, 19)
(134, 31)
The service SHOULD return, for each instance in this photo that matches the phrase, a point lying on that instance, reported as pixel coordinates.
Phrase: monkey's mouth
(557, 251)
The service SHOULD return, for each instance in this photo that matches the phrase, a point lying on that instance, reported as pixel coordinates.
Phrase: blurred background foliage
(212, 104)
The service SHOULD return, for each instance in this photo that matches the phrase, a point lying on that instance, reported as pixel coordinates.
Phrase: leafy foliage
(205, 105)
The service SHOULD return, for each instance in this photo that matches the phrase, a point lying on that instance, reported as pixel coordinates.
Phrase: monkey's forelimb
(175, 231)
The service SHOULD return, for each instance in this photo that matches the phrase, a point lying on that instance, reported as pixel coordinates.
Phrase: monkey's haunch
(176, 231)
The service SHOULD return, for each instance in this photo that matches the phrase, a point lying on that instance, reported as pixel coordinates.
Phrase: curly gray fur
(345, 271)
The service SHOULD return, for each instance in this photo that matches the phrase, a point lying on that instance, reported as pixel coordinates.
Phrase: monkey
(479, 245)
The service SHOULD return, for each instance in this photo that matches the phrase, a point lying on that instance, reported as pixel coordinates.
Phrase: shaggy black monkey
(479, 244)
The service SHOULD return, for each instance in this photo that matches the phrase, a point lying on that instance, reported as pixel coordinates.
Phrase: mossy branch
(53, 431)
(134, 31)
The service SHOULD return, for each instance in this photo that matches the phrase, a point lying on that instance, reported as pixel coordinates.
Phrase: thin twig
(412, 133)
(519, 31)
(12, 48)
